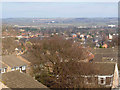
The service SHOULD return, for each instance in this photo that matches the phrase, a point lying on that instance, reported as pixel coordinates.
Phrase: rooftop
(13, 61)
(105, 50)
(98, 68)
(15, 79)
(105, 54)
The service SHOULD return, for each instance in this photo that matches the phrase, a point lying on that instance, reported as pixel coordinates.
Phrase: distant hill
(79, 21)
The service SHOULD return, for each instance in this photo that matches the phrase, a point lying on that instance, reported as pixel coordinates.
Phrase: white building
(111, 26)
(110, 37)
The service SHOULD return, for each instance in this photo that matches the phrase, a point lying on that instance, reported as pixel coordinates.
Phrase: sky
(60, 0)
(59, 9)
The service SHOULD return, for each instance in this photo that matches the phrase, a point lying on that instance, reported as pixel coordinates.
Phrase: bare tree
(55, 63)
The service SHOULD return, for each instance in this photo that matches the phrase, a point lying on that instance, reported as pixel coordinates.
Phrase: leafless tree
(61, 59)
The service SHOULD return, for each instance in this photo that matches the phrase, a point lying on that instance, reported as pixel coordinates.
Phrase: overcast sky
(59, 9)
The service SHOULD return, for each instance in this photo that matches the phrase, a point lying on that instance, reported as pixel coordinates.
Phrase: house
(105, 46)
(16, 79)
(19, 51)
(74, 35)
(106, 75)
(110, 37)
(14, 63)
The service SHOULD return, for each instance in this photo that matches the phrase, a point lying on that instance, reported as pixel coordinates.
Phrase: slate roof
(104, 53)
(15, 79)
(104, 50)
(98, 68)
(103, 57)
(13, 61)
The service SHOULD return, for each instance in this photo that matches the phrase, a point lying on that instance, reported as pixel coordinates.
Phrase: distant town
(60, 53)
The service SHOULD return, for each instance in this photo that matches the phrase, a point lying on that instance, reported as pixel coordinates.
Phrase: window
(23, 67)
(13, 69)
(102, 80)
(2, 70)
(5, 69)
(20, 69)
(17, 68)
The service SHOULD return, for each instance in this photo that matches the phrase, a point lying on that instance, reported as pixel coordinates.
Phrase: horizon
(59, 18)
(59, 9)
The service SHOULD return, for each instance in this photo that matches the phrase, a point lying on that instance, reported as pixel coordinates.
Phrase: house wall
(107, 80)
(96, 80)
(9, 69)
(20, 68)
